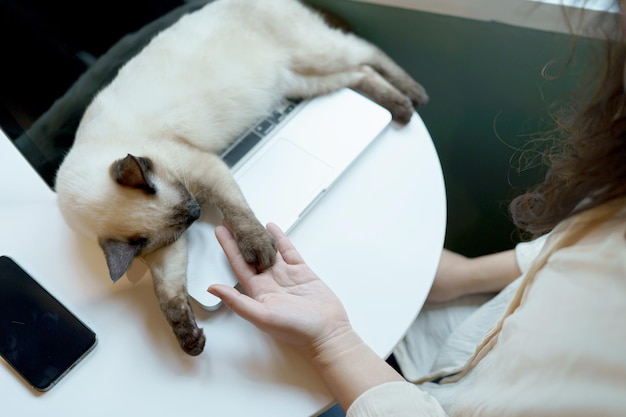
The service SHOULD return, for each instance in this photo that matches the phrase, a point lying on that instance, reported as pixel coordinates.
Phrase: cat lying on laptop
(145, 158)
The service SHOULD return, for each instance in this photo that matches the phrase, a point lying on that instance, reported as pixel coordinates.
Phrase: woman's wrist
(348, 366)
(337, 343)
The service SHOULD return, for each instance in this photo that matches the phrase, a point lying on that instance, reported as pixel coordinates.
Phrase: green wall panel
(488, 99)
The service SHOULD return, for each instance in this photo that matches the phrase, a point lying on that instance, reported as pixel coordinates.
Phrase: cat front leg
(169, 274)
(257, 246)
(212, 179)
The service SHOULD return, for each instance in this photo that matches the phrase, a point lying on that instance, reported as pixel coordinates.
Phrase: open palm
(287, 300)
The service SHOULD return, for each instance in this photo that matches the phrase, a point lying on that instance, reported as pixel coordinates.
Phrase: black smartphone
(39, 337)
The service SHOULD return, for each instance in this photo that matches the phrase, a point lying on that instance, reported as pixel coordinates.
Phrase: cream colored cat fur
(145, 158)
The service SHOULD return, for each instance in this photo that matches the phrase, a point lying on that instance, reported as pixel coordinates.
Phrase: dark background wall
(488, 99)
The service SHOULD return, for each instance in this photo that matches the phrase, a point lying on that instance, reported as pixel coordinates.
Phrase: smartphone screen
(39, 337)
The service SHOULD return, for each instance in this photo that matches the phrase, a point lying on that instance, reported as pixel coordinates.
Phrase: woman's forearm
(458, 275)
(491, 273)
(349, 367)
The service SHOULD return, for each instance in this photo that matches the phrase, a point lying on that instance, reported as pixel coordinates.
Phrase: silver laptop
(284, 165)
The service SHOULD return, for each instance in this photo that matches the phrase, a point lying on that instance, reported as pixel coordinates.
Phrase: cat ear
(133, 171)
(119, 255)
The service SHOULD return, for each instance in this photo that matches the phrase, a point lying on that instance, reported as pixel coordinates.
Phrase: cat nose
(193, 213)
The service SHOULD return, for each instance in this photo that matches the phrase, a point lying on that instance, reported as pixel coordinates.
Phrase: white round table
(375, 238)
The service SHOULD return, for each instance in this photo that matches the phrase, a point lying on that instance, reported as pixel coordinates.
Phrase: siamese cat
(145, 157)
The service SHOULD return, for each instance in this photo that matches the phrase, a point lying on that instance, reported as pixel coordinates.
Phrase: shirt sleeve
(395, 399)
(526, 252)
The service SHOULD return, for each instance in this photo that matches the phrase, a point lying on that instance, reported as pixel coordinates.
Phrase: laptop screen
(56, 55)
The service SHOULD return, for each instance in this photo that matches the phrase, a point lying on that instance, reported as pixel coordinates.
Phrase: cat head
(132, 208)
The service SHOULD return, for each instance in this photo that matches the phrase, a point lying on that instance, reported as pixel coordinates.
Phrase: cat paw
(257, 246)
(190, 337)
(415, 92)
(418, 95)
(402, 110)
(192, 341)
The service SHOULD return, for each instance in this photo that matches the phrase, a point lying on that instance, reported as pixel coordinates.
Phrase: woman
(557, 345)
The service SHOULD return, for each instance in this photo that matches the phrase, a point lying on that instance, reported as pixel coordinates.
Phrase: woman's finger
(240, 267)
(241, 304)
(285, 248)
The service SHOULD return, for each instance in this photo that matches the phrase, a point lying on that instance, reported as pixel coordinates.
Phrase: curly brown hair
(587, 155)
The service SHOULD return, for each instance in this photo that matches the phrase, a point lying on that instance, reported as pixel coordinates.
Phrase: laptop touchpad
(280, 182)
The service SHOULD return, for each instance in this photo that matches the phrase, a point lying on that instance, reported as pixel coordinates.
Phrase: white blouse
(560, 349)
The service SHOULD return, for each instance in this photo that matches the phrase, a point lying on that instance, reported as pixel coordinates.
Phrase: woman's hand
(291, 303)
(287, 300)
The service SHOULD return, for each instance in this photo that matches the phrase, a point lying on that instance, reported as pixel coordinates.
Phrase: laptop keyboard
(260, 129)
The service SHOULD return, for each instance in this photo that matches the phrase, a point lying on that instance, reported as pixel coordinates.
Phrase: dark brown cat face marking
(133, 172)
(155, 222)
